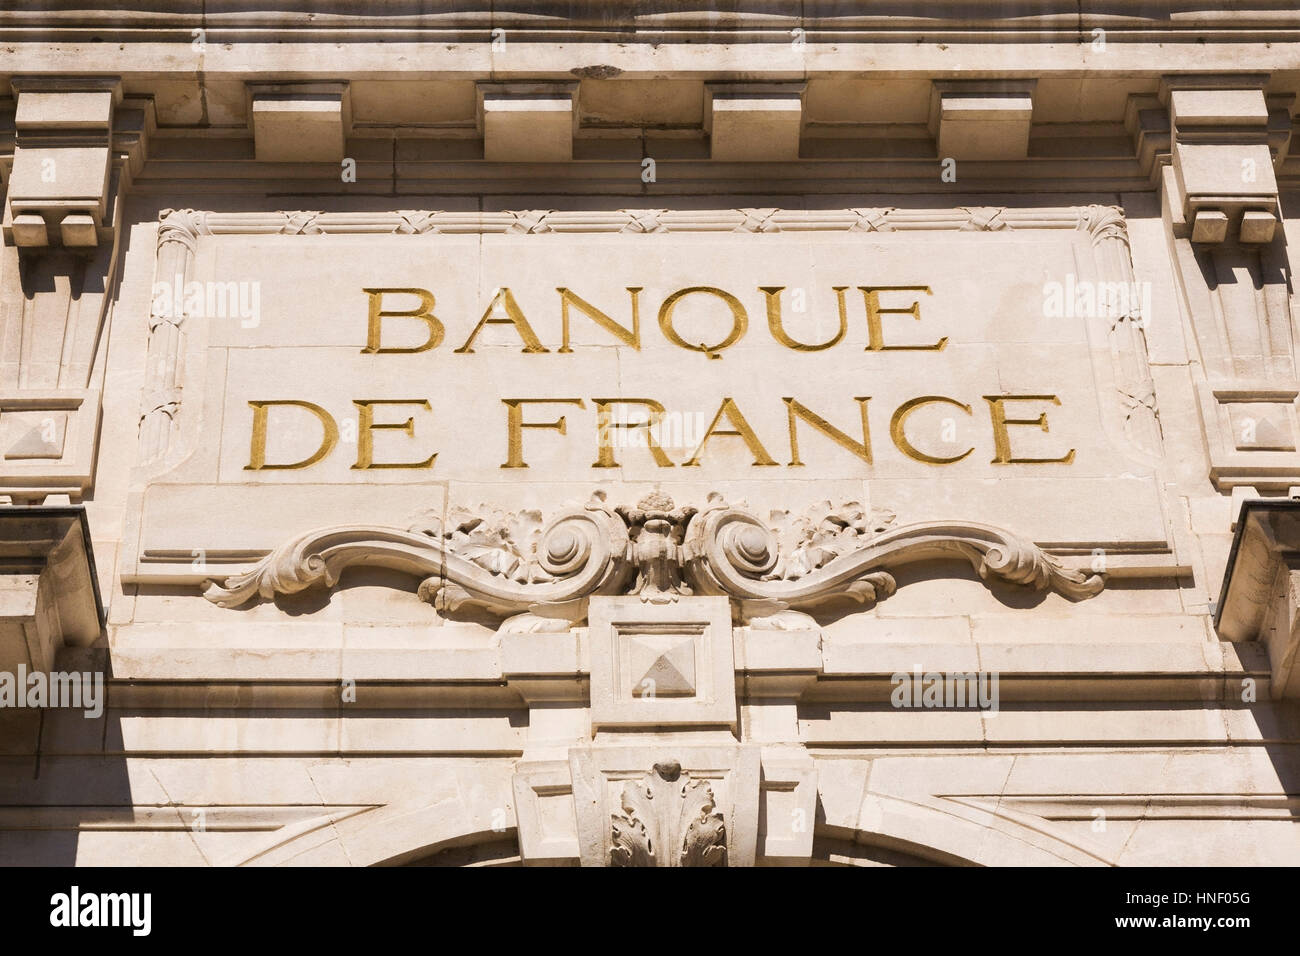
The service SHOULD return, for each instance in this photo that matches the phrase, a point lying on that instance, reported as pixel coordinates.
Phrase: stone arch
(939, 830)
(881, 828)
(394, 835)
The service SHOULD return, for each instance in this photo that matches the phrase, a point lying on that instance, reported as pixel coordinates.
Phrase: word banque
(617, 416)
(72, 690)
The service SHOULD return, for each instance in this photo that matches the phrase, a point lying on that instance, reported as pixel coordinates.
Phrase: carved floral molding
(512, 565)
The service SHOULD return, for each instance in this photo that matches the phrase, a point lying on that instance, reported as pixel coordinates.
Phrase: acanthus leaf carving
(667, 819)
(705, 840)
(630, 841)
(1104, 222)
(820, 534)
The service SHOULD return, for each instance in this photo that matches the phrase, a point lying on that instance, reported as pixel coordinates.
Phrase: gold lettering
(796, 410)
(899, 421)
(1001, 440)
(773, 294)
(515, 425)
(604, 441)
(875, 333)
(740, 429)
(378, 313)
(631, 336)
(739, 320)
(257, 450)
(514, 316)
(366, 426)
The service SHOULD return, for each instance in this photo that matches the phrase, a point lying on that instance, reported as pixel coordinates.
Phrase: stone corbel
(528, 122)
(1260, 597)
(1221, 217)
(60, 188)
(300, 122)
(49, 594)
(1222, 165)
(981, 120)
(753, 122)
(78, 142)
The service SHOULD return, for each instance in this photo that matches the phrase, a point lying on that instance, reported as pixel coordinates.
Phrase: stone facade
(650, 434)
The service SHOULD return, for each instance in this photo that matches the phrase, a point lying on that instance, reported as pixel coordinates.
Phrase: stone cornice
(684, 21)
(549, 40)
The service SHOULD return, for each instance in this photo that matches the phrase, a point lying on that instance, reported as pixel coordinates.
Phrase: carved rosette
(667, 819)
(514, 566)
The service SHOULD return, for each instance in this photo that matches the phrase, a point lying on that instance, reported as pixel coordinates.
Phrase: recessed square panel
(661, 664)
(35, 434)
(1261, 426)
(658, 663)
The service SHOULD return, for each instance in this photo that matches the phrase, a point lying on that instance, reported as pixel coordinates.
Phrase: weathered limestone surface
(562, 438)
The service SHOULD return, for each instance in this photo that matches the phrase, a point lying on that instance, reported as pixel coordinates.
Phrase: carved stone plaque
(981, 365)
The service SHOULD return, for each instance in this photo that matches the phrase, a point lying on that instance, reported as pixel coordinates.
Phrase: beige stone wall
(413, 687)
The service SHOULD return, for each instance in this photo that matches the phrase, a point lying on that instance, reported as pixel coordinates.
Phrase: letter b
(424, 312)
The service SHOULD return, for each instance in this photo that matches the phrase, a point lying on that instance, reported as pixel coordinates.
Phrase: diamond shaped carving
(660, 664)
(34, 434)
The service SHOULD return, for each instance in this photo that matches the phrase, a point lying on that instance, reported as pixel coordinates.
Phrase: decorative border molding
(188, 226)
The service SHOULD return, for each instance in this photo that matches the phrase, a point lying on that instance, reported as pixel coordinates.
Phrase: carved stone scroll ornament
(733, 552)
(667, 819)
(579, 553)
(513, 566)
